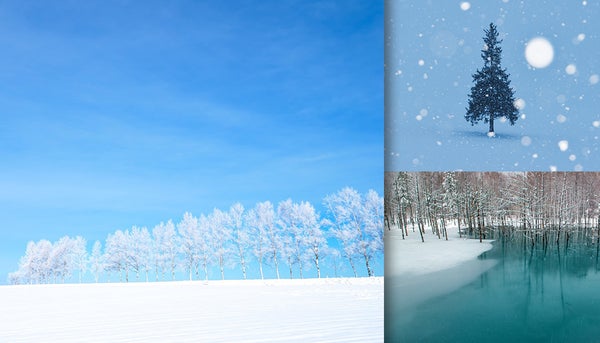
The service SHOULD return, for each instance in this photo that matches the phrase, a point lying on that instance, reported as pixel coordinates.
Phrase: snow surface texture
(413, 257)
(550, 50)
(309, 310)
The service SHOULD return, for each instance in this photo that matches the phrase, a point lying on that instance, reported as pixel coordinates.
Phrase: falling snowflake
(539, 53)
(563, 145)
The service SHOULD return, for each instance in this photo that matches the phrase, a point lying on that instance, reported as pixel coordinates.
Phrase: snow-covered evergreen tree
(491, 97)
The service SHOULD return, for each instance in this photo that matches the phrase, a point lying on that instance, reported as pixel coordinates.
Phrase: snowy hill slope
(309, 310)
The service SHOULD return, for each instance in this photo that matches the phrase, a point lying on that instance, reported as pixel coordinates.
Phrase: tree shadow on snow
(483, 135)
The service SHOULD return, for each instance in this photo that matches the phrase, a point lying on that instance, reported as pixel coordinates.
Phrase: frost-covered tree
(79, 255)
(116, 254)
(291, 234)
(314, 237)
(334, 258)
(60, 260)
(190, 241)
(336, 206)
(166, 245)
(46, 262)
(265, 215)
(34, 266)
(96, 260)
(144, 247)
(239, 235)
(403, 200)
(220, 236)
(139, 250)
(260, 241)
(353, 225)
(373, 223)
(205, 244)
(452, 197)
(491, 97)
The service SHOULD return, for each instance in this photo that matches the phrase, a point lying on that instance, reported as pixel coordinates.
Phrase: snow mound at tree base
(309, 310)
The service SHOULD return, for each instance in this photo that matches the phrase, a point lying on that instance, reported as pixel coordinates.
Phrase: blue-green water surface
(524, 294)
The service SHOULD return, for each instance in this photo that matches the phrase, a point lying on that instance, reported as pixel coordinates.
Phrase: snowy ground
(411, 256)
(310, 310)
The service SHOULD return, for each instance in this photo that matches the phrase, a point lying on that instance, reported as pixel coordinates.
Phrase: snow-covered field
(309, 310)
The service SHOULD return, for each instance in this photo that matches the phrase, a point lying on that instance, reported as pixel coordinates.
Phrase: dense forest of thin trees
(544, 207)
(290, 238)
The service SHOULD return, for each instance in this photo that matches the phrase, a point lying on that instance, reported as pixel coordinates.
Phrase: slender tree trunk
(317, 265)
(242, 262)
(276, 263)
(352, 265)
(369, 271)
(221, 262)
(262, 277)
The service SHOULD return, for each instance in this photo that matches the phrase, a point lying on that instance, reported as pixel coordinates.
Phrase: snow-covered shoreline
(410, 256)
(324, 310)
(418, 271)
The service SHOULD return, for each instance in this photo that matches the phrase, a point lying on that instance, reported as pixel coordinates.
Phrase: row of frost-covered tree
(290, 238)
(538, 204)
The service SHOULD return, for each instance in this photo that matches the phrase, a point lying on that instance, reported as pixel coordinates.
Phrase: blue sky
(433, 48)
(118, 113)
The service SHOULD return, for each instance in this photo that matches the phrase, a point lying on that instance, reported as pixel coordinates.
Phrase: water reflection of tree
(537, 263)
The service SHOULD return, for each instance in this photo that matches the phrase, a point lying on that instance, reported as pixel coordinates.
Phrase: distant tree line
(541, 205)
(292, 237)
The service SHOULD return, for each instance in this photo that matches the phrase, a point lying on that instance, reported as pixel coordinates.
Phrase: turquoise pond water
(512, 293)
